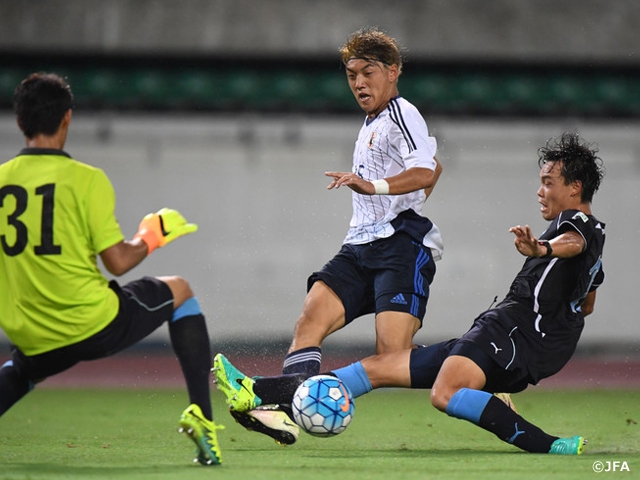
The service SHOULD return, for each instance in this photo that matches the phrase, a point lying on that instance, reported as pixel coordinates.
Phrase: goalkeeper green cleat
(235, 385)
(568, 446)
(203, 433)
(271, 421)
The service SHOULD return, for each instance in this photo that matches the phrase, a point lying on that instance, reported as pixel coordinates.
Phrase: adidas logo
(399, 299)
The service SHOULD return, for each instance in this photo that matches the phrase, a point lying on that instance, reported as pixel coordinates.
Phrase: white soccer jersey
(394, 141)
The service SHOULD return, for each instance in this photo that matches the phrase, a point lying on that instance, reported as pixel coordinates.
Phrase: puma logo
(515, 435)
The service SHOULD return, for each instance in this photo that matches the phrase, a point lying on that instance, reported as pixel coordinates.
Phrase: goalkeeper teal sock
(190, 307)
(190, 342)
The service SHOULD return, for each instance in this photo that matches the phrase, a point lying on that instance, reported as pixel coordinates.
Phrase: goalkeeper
(56, 217)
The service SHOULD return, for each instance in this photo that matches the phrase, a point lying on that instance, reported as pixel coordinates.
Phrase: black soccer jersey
(552, 290)
(556, 287)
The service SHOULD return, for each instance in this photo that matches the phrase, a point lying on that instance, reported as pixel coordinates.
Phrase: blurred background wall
(231, 111)
(571, 30)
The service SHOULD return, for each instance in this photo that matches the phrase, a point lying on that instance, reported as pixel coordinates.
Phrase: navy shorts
(145, 304)
(495, 342)
(389, 274)
(426, 362)
(495, 345)
(499, 379)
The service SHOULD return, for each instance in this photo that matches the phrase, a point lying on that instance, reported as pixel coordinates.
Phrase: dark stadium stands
(209, 84)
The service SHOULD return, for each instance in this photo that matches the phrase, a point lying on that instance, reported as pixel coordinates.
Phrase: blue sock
(188, 308)
(490, 413)
(355, 378)
(190, 341)
(468, 404)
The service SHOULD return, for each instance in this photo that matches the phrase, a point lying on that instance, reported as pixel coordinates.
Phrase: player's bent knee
(189, 308)
(439, 401)
(179, 287)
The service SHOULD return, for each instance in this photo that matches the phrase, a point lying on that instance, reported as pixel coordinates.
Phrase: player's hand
(351, 180)
(164, 226)
(525, 242)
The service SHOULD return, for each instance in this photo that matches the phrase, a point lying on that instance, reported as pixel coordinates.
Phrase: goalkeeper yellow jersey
(56, 215)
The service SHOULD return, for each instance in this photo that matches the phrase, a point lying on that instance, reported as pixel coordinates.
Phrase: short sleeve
(103, 226)
(419, 148)
(577, 221)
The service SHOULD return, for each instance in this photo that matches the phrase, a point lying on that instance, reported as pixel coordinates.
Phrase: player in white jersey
(387, 260)
(386, 263)
(388, 145)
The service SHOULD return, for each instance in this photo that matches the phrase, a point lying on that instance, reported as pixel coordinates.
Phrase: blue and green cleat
(568, 446)
(235, 385)
(203, 433)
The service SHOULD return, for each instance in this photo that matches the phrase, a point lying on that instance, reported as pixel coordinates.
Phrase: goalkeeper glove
(164, 226)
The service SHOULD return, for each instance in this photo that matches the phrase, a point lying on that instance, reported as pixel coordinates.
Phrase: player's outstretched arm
(155, 230)
(428, 190)
(163, 227)
(416, 178)
(567, 245)
(118, 259)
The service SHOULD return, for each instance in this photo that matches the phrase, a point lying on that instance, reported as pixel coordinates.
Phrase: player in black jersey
(528, 336)
(534, 331)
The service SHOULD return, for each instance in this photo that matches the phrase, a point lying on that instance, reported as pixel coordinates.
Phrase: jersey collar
(43, 151)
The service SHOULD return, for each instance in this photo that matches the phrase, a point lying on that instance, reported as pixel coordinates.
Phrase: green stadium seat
(429, 91)
(566, 93)
(632, 96)
(331, 91)
(611, 95)
(103, 88)
(287, 88)
(241, 89)
(523, 93)
(479, 93)
(198, 89)
(152, 88)
(9, 80)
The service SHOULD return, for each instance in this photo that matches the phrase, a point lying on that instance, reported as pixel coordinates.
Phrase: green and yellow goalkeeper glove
(164, 226)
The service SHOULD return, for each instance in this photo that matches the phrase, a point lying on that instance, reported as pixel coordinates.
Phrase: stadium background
(230, 111)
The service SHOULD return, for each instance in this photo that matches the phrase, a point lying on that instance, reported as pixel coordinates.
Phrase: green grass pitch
(132, 434)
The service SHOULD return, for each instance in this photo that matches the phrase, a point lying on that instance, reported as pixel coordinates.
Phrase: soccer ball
(322, 406)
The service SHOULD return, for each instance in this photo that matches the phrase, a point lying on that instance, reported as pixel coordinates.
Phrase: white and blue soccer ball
(323, 406)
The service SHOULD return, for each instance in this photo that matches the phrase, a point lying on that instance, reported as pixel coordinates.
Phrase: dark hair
(40, 103)
(371, 44)
(579, 162)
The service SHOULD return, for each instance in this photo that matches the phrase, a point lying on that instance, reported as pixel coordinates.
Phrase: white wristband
(381, 186)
